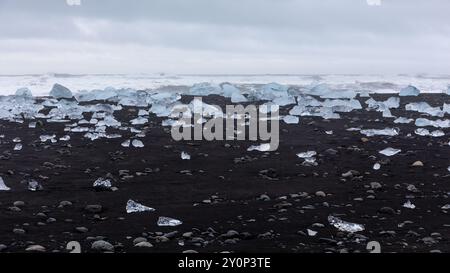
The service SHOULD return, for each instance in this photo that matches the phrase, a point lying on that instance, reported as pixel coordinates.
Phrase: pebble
(143, 244)
(102, 245)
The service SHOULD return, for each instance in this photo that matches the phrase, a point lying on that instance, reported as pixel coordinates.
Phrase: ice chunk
(262, 148)
(65, 138)
(17, 140)
(60, 92)
(32, 124)
(380, 132)
(133, 206)
(24, 93)
(291, 119)
(143, 113)
(45, 138)
(409, 205)
(311, 233)
(126, 143)
(423, 107)
(403, 120)
(33, 185)
(139, 121)
(168, 222)
(3, 186)
(18, 147)
(185, 156)
(102, 184)
(344, 225)
(390, 151)
(137, 143)
(409, 91)
(204, 89)
(307, 154)
(423, 122)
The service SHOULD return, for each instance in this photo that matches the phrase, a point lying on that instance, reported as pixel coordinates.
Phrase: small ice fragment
(185, 156)
(65, 138)
(390, 151)
(329, 132)
(3, 186)
(137, 143)
(448, 169)
(133, 206)
(139, 121)
(44, 138)
(17, 140)
(344, 226)
(376, 166)
(102, 184)
(168, 222)
(311, 233)
(308, 154)
(403, 120)
(446, 207)
(32, 125)
(262, 148)
(33, 185)
(126, 143)
(18, 147)
(409, 205)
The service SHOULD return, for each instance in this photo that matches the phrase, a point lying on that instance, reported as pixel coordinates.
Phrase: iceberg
(60, 92)
(168, 222)
(409, 91)
(3, 186)
(344, 225)
(133, 206)
(390, 151)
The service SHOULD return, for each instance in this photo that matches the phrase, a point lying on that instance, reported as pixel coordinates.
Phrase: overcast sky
(225, 36)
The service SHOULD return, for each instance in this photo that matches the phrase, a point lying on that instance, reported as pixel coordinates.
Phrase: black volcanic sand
(230, 199)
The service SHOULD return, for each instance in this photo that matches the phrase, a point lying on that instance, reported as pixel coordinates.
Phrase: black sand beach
(230, 199)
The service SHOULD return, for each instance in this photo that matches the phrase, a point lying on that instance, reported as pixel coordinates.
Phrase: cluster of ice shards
(380, 132)
(423, 122)
(17, 108)
(329, 109)
(423, 107)
(383, 106)
(409, 91)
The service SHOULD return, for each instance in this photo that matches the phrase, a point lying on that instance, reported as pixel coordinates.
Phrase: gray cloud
(224, 36)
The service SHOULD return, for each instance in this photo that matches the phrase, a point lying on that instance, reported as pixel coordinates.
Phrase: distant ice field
(40, 85)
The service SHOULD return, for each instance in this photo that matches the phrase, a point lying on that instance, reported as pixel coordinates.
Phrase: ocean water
(42, 84)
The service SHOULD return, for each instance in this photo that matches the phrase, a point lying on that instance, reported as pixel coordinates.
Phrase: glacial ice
(133, 206)
(168, 222)
(344, 225)
(24, 93)
(262, 148)
(60, 92)
(185, 156)
(409, 205)
(137, 143)
(380, 132)
(423, 122)
(390, 151)
(409, 91)
(3, 186)
(423, 107)
(291, 119)
(33, 185)
(403, 120)
(102, 184)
